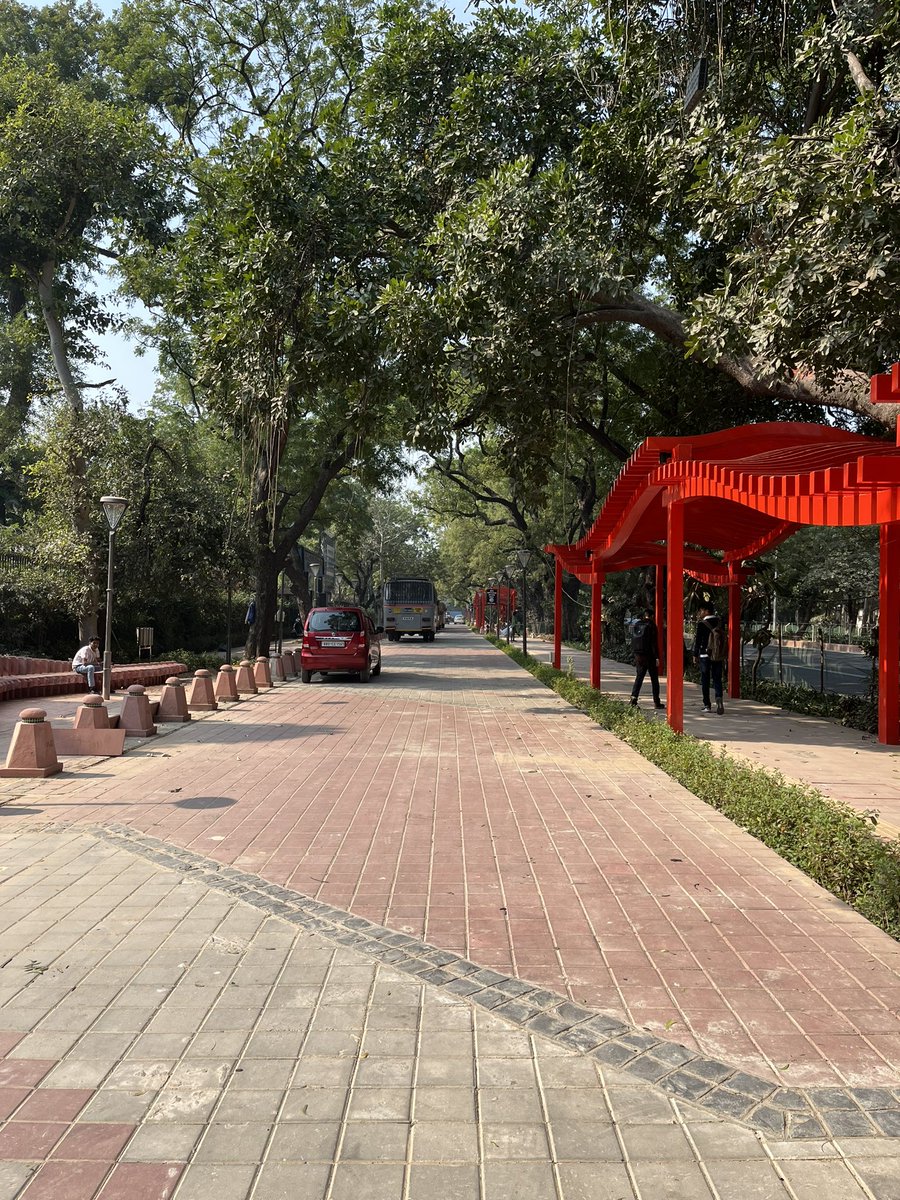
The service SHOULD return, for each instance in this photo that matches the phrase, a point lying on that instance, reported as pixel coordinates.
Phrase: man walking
(645, 646)
(86, 662)
(709, 654)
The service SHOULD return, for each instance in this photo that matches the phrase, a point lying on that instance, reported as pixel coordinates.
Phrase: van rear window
(334, 622)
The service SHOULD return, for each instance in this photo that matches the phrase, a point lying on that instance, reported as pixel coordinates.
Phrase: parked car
(340, 639)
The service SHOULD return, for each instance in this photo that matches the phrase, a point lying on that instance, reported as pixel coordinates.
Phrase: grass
(832, 843)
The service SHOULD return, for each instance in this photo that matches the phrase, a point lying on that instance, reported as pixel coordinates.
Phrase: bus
(410, 606)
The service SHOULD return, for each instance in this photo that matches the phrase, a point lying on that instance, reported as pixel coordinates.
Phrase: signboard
(327, 545)
(492, 596)
(696, 86)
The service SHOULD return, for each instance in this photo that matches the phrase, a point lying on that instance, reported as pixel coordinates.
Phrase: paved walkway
(458, 801)
(843, 763)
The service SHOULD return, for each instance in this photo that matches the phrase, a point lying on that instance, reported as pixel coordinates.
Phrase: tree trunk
(81, 500)
(266, 571)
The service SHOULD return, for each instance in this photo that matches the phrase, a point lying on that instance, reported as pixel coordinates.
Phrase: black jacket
(649, 641)
(701, 636)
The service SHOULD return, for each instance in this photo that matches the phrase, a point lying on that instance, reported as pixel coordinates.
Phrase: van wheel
(365, 675)
(305, 676)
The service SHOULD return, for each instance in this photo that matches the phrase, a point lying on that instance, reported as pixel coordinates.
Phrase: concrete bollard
(287, 662)
(226, 684)
(276, 667)
(173, 707)
(262, 674)
(32, 752)
(245, 681)
(136, 718)
(201, 697)
(92, 714)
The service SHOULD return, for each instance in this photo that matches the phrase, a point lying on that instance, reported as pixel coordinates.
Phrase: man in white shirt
(86, 662)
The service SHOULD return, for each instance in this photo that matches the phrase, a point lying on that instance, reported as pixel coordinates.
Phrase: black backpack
(639, 631)
(717, 648)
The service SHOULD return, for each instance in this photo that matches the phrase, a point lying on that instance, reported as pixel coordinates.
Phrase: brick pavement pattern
(162, 1040)
(458, 800)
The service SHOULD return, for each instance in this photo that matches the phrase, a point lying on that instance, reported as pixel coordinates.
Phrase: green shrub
(834, 844)
(194, 661)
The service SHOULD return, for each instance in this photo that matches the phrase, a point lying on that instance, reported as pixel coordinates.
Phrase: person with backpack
(710, 651)
(645, 647)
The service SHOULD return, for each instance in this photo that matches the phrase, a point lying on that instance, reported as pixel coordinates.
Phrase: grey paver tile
(385, 1072)
(12, 1177)
(881, 1176)
(812, 1180)
(569, 1071)
(726, 1141)
(313, 1104)
(114, 1105)
(218, 1181)
(242, 1143)
(380, 1104)
(367, 1181)
(656, 1142)
(518, 1181)
(510, 1104)
(583, 1181)
(514, 1140)
(448, 1181)
(81, 1073)
(162, 1142)
(671, 1180)
(304, 1141)
(183, 1104)
(445, 1141)
(748, 1179)
(445, 1103)
(375, 1141)
(240, 1106)
(506, 1072)
(585, 1141)
(576, 1104)
(291, 1181)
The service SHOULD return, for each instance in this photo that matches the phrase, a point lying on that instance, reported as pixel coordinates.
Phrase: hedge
(834, 844)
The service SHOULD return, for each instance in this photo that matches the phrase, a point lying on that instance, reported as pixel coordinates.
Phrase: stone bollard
(201, 697)
(276, 667)
(32, 752)
(245, 682)
(287, 662)
(136, 718)
(92, 714)
(173, 707)
(226, 684)
(262, 674)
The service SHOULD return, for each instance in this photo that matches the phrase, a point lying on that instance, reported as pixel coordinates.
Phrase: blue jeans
(90, 670)
(709, 668)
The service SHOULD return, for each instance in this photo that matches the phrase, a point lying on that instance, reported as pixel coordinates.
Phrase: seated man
(86, 662)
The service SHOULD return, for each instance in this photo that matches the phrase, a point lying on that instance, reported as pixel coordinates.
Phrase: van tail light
(307, 643)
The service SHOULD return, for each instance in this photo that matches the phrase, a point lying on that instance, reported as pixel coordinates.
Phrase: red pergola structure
(708, 505)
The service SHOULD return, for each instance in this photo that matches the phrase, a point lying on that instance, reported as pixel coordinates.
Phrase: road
(850, 674)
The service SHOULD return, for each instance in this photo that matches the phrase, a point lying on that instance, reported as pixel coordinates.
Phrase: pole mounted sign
(492, 596)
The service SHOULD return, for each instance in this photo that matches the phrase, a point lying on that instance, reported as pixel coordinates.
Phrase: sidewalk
(563, 976)
(843, 763)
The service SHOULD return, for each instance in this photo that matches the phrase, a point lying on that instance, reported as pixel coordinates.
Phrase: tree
(594, 201)
(78, 177)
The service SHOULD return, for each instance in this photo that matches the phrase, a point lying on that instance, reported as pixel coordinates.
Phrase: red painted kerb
(708, 505)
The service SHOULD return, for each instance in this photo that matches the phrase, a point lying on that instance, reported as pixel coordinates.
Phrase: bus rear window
(409, 591)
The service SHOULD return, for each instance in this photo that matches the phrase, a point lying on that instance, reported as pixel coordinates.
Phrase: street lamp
(314, 569)
(510, 572)
(114, 510)
(524, 555)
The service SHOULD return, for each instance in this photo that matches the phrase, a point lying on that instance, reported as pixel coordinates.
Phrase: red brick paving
(68, 1180)
(142, 1181)
(457, 799)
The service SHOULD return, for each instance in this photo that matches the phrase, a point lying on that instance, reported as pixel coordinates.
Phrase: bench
(23, 678)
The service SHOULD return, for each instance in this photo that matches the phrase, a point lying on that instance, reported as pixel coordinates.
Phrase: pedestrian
(86, 662)
(710, 646)
(645, 646)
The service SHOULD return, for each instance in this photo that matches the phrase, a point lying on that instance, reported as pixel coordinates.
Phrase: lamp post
(510, 572)
(314, 569)
(114, 510)
(524, 555)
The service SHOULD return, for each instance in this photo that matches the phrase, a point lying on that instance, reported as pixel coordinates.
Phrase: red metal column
(734, 639)
(557, 616)
(660, 605)
(889, 636)
(675, 614)
(596, 628)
